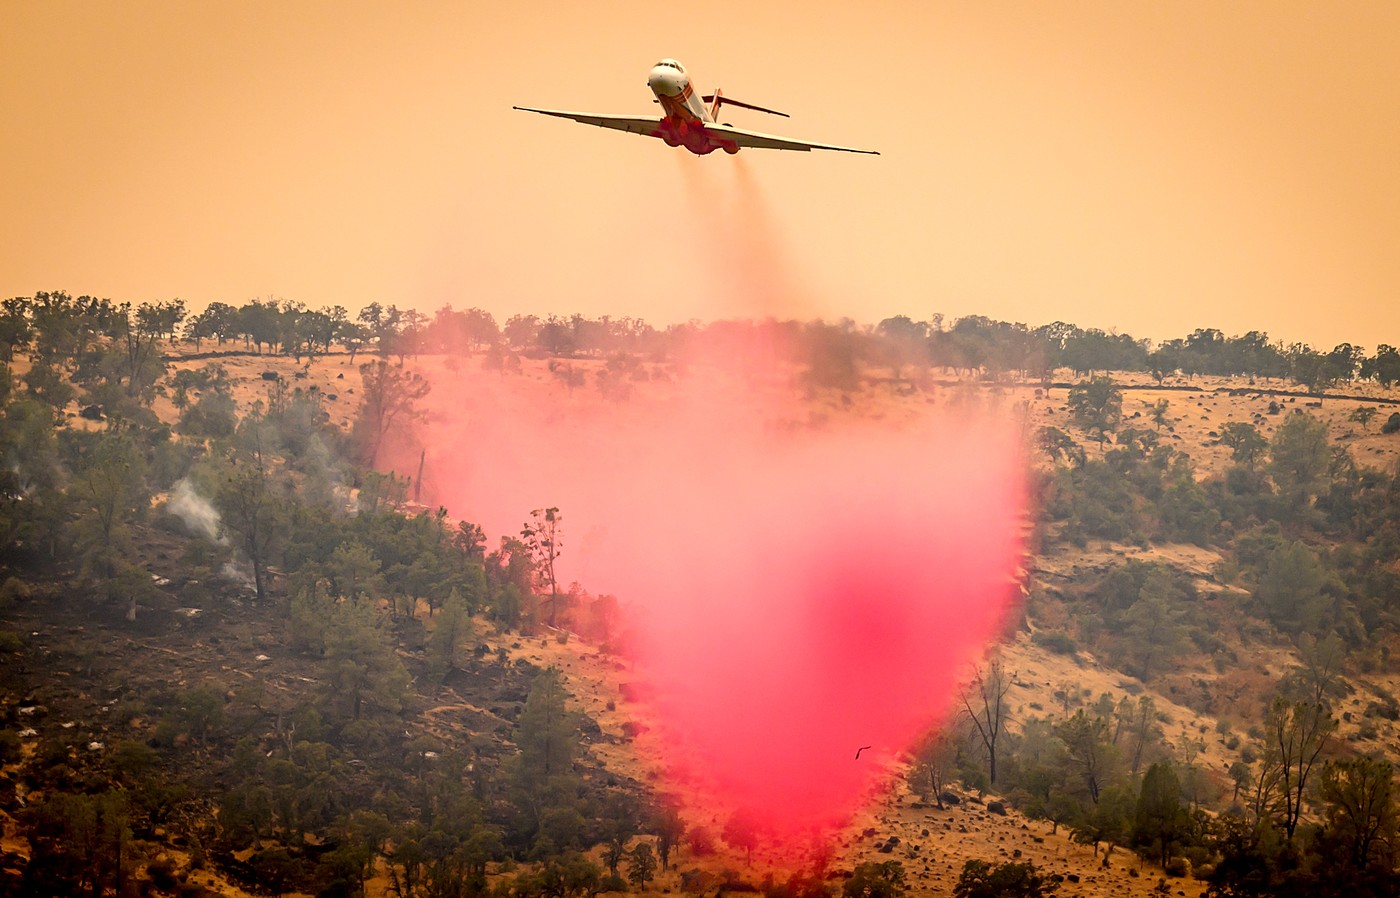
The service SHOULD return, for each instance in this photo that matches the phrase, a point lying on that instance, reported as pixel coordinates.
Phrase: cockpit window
(671, 64)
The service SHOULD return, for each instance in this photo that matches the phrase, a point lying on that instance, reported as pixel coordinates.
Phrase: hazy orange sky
(1145, 167)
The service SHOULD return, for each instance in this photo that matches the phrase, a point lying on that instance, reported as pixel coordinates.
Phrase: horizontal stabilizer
(725, 101)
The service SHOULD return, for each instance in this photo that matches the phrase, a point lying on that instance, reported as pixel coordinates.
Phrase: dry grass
(933, 844)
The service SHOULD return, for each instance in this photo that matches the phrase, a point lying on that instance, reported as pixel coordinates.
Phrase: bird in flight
(859, 750)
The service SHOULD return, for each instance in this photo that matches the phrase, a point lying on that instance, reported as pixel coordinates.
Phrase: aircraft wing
(771, 142)
(634, 124)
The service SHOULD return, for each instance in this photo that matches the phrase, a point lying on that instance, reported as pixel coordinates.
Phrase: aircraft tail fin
(718, 99)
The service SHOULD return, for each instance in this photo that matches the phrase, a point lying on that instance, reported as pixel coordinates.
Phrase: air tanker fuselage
(686, 114)
(690, 121)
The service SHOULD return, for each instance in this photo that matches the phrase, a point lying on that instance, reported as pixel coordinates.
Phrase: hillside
(237, 719)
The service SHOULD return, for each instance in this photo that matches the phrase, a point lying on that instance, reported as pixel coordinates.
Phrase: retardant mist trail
(743, 258)
(800, 576)
(799, 585)
(849, 582)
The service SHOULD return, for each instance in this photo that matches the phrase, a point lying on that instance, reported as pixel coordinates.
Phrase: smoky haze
(800, 579)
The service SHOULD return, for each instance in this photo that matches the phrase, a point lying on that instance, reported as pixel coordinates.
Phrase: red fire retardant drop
(796, 590)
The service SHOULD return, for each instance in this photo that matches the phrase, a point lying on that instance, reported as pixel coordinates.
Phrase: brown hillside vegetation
(182, 694)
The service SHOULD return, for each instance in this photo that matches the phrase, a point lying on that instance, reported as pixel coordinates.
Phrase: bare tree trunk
(984, 702)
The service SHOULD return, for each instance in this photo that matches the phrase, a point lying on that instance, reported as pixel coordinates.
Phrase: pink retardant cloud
(800, 581)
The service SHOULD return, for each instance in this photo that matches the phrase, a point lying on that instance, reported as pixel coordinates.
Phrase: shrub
(702, 842)
(10, 750)
(162, 873)
(1056, 641)
(12, 589)
(1392, 424)
(980, 879)
(875, 880)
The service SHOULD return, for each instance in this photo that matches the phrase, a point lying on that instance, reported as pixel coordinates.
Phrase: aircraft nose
(665, 81)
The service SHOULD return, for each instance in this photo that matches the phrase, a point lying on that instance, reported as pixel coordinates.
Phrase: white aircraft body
(688, 121)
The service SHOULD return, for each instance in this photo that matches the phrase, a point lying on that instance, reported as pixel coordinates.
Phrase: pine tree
(1159, 819)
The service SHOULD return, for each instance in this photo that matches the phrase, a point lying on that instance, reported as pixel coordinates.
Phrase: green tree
(544, 787)
(214, 414)
(34, 509)
(78, 844)
(1294, 589)
(1088, 750)
(1241, 776)
(275, 868)
(670, 831)
(1246, 444)
(548, 730)
(109, 491)
(875, 879)
(1160, 418)
(45, 382)
(1362, 415)
(1159, 820)
(1040, 768)
(1186, 511)
(217, 321)
(363, 667)
(1298, 731)
(253, 515)
(1097, 406)
(452, 627)
(1153, 632)
(741, 832)
(1342, 362)
(544, 542)
(1057, 444)
(1135, 729)
(981, 879)
(1109, 821)
(1299, 457)
(15, 328)
(365, 835)
(1359, 811)
(260, 323)
(619, 826)
(641, 865)
(833, 357)
(1384, 366)
(137, 339)
(561, 877)
(200, 711)
(355, 573)
(934, 764)
(355, 337)
(389, 397)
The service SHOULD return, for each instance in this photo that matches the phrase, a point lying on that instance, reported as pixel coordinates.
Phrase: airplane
(690, 123)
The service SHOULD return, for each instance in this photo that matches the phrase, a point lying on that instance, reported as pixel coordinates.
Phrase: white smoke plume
(240, 573)
(198, 513)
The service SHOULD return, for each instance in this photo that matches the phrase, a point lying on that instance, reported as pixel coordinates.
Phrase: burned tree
(390, 396)
(984, 703)
(542, 537)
